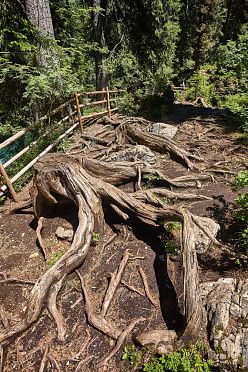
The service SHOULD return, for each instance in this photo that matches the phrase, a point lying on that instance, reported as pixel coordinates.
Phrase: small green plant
(150, 178)
(162, 199)
(54, 258)
(184, 360)
(171, 247)
(63, 145)
(133, 355)
(172, 226)
(238, 262)
(2, 199)
(95, 237)
(240, 182)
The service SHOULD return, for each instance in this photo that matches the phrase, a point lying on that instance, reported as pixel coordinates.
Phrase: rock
(165, 130)
(64, 233)
(137, 153)
(202, 241)
(33, 255)
(162, 340)
(226, 303)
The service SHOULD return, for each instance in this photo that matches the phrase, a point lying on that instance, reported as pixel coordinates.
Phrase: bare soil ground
(215, 139)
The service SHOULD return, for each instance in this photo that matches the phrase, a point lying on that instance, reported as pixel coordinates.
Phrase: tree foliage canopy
(117, 42)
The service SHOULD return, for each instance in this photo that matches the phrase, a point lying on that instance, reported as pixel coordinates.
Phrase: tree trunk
(99, 22)
(39, 14)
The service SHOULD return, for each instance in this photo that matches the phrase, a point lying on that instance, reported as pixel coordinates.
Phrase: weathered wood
(108, 103)
(23, 151)
(94, 103)
(114, 282)
(8, 182)
(19, 134)
(158, 143)
(79, 112)
(28, 166)
(45, 151)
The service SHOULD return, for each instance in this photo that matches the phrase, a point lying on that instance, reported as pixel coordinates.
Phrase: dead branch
(86, 343)
(39, 237)
(131, 288)
(114, 282)
(120, 342)
(109, 241)
(154, 193)
(53, 361)
(159, 144)
(3, 317)
(66, 264)
(16, 280)
(83, 362)
(101, 141)
(146, 286)
(20, 205)
(52, 307)
(201, 101)
(206, 232)
(139, 178)
(44, 360)
(97, 321)
(1, 358)
(192, 294)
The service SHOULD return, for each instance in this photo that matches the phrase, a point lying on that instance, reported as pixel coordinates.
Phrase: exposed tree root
(114, 282)
(132, 288)
(1, 358)
(63, 176)
(97, 321)
(146, 286)
(3, 318)
(52, 307)
(39, 237)
(44, 360)
(16, 280)
(119, 343)
(19, 205)
(160, 144)
(91, 185)
(83, 362)
(153, 194)
(80, 352)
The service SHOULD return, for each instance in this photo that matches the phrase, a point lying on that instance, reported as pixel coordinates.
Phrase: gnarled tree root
(63, 177)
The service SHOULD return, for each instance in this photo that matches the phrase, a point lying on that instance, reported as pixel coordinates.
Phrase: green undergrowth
(191, 359)
(55, 256)
(241, 183)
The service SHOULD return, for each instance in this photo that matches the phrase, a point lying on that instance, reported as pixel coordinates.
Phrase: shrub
(184, 360)
(241, 182)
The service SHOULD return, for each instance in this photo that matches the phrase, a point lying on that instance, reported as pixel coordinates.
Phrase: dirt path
(213, 138)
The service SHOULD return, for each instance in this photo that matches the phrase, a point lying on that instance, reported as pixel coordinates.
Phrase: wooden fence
(75, 117)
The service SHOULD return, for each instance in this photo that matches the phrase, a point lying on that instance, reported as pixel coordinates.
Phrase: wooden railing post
(8, 183)
(108, 103)
(79, 112)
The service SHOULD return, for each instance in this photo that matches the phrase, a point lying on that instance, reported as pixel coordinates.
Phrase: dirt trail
(206, 132)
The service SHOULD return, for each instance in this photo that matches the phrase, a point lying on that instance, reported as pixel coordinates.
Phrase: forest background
(51, 49)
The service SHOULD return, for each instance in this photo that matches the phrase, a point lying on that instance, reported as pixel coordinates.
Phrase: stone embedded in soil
(202, 241)
(161, 339)
(64, 233)
(137, 153)
(226, 304)
(165, 130)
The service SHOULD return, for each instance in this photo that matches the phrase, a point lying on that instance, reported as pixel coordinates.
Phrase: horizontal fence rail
(76, 116)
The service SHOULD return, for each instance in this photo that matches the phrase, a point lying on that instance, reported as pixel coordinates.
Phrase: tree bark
(39, 14)
(99, 23)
